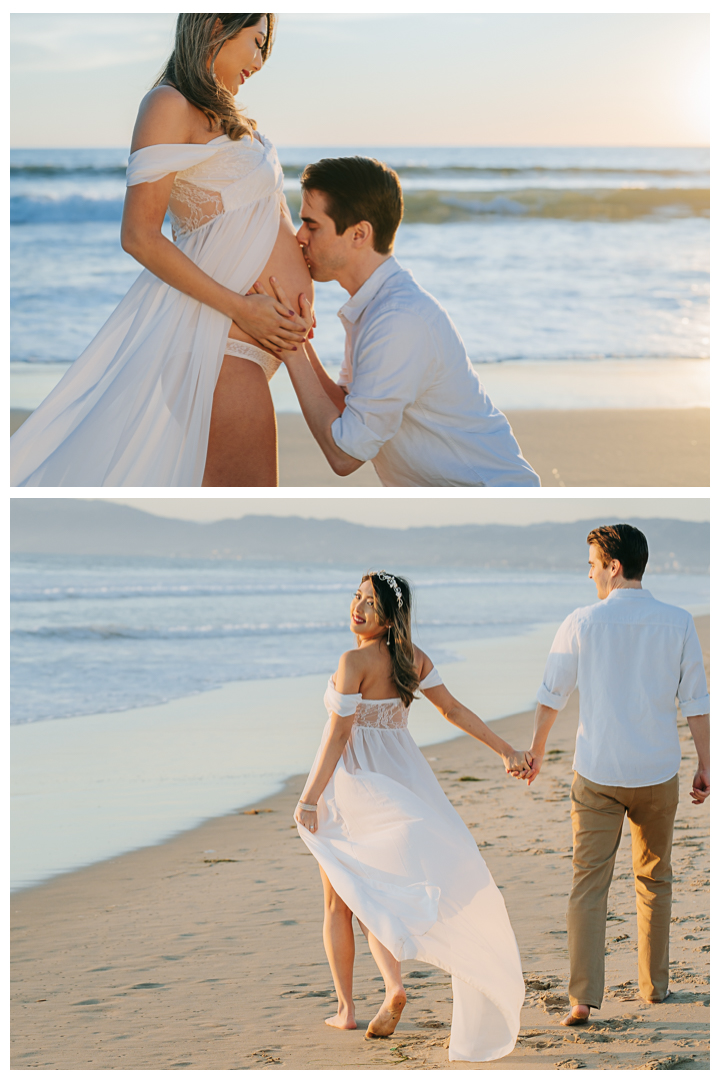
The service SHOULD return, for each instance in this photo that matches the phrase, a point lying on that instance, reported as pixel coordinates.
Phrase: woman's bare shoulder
(164, 116)
(351, 668)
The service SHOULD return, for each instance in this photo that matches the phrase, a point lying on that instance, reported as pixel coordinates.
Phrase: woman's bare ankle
(344, 1018)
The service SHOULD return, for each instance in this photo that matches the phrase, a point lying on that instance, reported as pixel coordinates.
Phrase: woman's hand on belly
(257, 322)
(306, 316)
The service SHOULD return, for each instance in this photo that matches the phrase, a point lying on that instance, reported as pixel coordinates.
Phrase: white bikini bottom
(265, 360)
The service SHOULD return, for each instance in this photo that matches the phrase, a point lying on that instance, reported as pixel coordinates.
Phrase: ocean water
(101, 766)
(107, 634)
(540, 255)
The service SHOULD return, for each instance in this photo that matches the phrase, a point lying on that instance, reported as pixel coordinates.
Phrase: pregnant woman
(391, 848)
(173, 391)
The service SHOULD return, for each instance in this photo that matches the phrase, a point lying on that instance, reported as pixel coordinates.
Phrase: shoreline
(567, 448)
(196, 757)
(205, 951)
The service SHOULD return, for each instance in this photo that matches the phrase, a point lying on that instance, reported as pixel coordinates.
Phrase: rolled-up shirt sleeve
(692, 692)
(391, 364)
(561, 669)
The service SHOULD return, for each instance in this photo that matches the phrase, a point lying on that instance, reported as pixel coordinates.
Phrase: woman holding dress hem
(391, 848)
(173, 391)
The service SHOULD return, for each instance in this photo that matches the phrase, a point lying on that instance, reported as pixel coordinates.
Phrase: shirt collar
(353, 309)
(622, 593)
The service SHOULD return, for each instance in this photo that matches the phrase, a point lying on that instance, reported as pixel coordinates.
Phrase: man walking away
(631, 658)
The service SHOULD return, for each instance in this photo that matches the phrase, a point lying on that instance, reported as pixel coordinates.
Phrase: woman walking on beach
(173, 391)
(393, 851)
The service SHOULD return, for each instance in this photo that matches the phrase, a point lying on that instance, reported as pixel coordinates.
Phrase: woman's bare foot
(579, 1014)
(383, 1025)
(343, 1019)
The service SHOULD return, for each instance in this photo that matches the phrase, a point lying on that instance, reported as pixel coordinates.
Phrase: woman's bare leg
(388, 1015)
(242, 447)
(339, 942)
(242, 450)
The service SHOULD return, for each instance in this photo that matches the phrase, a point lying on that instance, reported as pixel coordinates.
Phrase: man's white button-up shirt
(415, 406)
(631, 657)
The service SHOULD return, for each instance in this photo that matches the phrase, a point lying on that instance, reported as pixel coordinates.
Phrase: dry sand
(205, 952)
(567, 448)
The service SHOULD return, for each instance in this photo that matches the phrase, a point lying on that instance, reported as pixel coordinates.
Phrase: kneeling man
(408, 398)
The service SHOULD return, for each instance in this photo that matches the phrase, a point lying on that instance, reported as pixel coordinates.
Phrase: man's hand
(535, 760)
(701, 787)
(517, 764)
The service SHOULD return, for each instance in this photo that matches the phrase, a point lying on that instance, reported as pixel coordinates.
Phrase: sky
(397, 512)
(388, 80)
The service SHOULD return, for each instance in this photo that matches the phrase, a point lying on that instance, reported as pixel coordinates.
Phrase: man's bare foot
(579, 1014)
(383, 1025)
(343, 1019)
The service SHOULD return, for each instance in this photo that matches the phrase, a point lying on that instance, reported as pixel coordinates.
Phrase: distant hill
(94, 527)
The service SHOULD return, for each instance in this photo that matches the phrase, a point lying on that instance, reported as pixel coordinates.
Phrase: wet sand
(205, 952)
(567, 448)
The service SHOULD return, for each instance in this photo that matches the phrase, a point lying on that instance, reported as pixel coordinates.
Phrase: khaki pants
(597, 819)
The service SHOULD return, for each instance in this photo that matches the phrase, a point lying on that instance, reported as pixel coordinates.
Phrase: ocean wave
(61, 593)
(66, 170)
(619, 205)
(33, 172)
(436, 207)
(111, 632)
(496, 171)
(163, 592)
(29, 210)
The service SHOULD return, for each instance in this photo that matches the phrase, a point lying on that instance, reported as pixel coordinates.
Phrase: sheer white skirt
(399, 855)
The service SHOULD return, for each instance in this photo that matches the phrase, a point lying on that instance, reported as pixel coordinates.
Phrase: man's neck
(354, 276)
(623, 583)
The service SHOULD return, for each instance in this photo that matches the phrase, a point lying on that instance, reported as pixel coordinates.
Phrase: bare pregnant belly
(286, 263)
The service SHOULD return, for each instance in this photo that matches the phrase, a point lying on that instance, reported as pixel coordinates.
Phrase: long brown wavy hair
(198, 38)
(397, 620)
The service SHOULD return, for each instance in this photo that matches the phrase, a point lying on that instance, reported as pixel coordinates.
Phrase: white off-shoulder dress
(134, 409)
(399, 855)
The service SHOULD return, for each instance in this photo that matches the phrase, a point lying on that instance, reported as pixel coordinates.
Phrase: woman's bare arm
(347, 681)
(458, 714)
(164, 118)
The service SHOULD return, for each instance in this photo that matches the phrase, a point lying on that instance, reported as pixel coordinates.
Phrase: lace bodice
(211, 179)
(382, 714)
(386, 713)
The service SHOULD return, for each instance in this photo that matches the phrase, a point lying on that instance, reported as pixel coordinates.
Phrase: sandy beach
(567, 448)
(205, 952)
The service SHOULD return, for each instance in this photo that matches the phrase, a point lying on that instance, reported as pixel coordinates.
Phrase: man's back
(415, 405)
(631, 656)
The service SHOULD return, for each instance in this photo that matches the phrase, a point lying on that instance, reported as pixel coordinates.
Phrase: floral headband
(392, 583)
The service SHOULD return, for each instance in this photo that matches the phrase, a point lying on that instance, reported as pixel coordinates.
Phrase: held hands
(523, 765)
(303, 323)
(517, 763)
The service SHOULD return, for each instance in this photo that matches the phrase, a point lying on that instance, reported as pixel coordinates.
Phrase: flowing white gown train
(399, 855)
(134, 409)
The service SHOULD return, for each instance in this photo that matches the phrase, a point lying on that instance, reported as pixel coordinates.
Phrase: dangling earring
(389, 633)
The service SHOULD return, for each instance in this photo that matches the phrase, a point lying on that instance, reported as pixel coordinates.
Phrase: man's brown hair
(359, 189)
(624, 543)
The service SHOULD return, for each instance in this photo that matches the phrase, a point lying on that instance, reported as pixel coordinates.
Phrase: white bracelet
(307, 806)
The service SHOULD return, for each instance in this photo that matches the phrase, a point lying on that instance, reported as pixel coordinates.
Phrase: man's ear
(363, 234)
